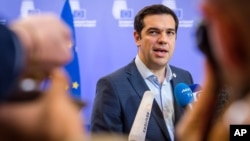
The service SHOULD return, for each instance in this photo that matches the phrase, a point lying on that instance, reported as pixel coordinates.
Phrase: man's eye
(170, 33)
(153, 32)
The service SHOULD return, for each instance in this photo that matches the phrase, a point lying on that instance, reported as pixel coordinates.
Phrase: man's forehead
(157, 20)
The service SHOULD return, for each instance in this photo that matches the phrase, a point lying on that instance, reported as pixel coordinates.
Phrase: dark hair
(153, 10)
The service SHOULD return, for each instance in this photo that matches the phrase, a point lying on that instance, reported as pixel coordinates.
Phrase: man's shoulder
(178, 69)
(183, 75)
(122, 71)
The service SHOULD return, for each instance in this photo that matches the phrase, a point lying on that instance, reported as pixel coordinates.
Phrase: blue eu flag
(73, 67)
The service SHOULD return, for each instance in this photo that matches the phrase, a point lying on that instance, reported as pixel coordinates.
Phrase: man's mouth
(160, 52)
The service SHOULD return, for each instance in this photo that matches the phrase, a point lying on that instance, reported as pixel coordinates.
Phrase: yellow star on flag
(75, 85)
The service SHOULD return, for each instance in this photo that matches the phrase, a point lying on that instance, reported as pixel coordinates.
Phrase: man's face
(157, 42)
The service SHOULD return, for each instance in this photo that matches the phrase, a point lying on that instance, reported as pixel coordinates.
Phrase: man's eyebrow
(153, 28)
(170, 29)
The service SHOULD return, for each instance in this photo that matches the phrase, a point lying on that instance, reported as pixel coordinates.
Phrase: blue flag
(73, 67)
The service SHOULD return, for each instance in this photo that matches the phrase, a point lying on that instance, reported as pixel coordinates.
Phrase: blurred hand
(46, 40)
(53, 116)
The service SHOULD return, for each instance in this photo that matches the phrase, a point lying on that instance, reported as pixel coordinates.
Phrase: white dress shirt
(163, 92)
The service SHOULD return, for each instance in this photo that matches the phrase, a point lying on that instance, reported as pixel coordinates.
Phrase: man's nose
(163, 38)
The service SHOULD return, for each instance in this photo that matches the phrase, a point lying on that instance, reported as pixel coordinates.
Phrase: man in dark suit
(119, 94)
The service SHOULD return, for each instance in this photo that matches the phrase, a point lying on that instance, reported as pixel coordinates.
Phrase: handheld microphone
(196, 89)
(183, 95)
(140, 124)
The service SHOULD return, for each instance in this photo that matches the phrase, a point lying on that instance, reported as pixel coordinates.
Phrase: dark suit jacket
(118, 97)
(11, 60)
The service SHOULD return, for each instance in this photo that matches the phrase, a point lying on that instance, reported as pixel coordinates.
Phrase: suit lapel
(157, 114)
(140, 87)
(136, 80)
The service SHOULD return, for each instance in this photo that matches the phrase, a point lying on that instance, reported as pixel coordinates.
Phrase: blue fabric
(73, 67)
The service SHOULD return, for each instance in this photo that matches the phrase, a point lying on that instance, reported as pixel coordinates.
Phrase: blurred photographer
(224, 38)
(35, 48)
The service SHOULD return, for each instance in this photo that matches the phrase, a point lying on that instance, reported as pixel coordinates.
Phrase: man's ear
(137, 38)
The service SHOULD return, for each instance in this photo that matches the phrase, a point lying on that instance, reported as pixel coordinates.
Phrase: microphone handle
(140, 124)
